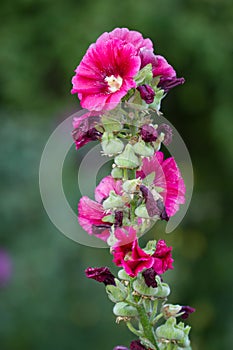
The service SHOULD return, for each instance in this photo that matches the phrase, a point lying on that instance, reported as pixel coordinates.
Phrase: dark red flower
(147, 93)
(136, 345)
(149, 277)
(187, 311)
(148, 133)
(100, 274)
(84, 129)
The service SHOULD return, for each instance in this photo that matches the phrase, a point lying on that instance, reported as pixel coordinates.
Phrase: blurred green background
(49, 304)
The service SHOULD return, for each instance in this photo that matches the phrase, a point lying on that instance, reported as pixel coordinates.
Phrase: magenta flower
(100, 274)
(5, 268)
(132, 258)
(128, 37)
(84, 129)
(105, 74)
(91, 213)
(162, 257)
(167, 177)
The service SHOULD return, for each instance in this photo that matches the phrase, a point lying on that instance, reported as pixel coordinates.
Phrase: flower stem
(133, 330)
(147, 328)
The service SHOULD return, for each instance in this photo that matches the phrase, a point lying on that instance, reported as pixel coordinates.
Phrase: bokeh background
(47, 303)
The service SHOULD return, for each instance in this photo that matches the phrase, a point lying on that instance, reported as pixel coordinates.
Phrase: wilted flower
(168, 178)
(187, 311)
(148, 133)
(149, 277)
(167, 131)
(136, 345)
(91, 213)
(105, 74)
(100, 274)
(84, 129)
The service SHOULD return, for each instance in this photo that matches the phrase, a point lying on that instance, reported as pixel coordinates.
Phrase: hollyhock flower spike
(121, 82)
(105, 74)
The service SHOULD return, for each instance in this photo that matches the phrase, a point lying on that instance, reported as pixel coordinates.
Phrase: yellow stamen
(114, 83)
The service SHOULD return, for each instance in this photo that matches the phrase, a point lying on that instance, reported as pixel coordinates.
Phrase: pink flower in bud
(91, 213)
(147, 93)
(162, 258)
(105, 74)
(167, 177)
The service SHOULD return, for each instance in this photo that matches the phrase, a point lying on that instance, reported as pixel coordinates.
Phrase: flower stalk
(121, 81)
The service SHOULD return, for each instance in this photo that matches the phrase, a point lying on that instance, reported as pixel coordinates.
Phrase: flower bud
(169, 330)
(143, 149)
(116, 293)
(184, 342)
(123, 309)
(131, 186)
(124, 276)
(117, 173)
(127, 159)
(170, 310)
(111, 144)
(113, 201)
(147, 93)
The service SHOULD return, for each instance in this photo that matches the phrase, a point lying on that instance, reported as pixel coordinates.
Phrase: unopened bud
(111, 145)
(125, 310)
(127, 159)
(143, 149)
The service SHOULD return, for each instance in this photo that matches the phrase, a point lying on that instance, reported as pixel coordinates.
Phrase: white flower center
(114, 83)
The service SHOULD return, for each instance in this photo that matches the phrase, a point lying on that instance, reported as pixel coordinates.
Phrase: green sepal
(110, 144)
(150, 247)
(149, 179)
(123, 309)
(113, 201)
(117, 173)
(143, 149)
(116, 293)
(144, 76)
(169, 330)
(111, 123)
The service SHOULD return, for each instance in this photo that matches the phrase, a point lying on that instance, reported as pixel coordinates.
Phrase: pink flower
(167, 177)
(105, 74)
(129, 37)
(91, 213)
(162, 257)
(84, 129)
(132, 258)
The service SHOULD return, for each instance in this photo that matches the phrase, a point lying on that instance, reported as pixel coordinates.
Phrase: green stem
(154, 311)
(125, 174)
(133, 330)
(147, 328)
(157, 318)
